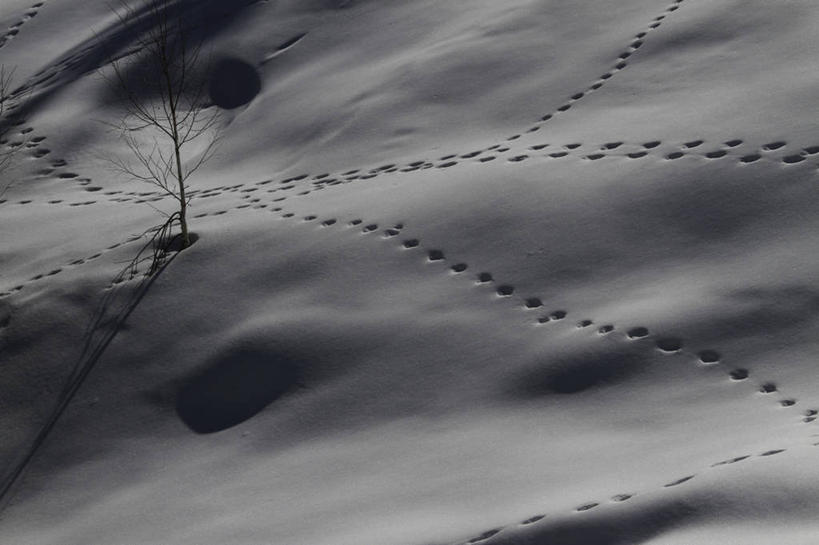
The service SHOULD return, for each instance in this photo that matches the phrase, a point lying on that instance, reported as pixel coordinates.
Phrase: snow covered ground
(522, 272)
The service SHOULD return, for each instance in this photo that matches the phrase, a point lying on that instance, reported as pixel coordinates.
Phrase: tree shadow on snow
(118, 303)
(202, 19)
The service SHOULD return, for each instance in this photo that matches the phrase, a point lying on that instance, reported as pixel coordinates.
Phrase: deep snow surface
(468, 271)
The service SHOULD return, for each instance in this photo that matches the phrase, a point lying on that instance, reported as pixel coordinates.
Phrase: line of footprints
(56, 168)
(610, 149)
(451, 159)
(62, 268)
(491, 153)
(322, 181)
(32, 142)
(437, 256)
(668, 345)
(621, 62)
(772, 152)
(14, 29)
(619, 498)
(325, 180)
(775, 151)
(665, 344)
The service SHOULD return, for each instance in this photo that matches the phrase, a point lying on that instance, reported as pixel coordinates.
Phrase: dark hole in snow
(637, 333)
(669, 344)
(233, 83)
(709, 356)
(235, 388)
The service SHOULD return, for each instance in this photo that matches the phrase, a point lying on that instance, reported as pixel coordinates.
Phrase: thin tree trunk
(183, 202)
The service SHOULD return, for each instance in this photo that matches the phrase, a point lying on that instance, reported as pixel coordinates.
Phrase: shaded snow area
(519, 272)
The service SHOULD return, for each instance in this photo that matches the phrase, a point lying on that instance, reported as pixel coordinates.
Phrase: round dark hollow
(235, 387)
(233, 83)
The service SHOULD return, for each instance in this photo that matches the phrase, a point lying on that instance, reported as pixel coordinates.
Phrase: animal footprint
(435, 255)
(505, 290)
(532, 520)
(731, 461)
(486, 535)
(587, 507)
(484, 278)
(767, 388)
(669, 344)
(793, 159)
(637, 333)
(709, 356)
(678, 481)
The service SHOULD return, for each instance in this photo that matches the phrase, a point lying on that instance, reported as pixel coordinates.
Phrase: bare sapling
(166, 122)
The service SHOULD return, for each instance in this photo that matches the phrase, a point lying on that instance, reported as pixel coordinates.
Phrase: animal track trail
(62, 268)
(307, 184)
(56, 169)
(544, 317)
(13, 30)
(616, 499)
(666, 344)
(437, 257)
(358, 174)
(451, 159)
(650, 149)
(621, 62)
(617, 150)
(672, 345)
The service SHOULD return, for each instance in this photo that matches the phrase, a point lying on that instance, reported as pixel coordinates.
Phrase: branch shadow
(202, 18)
(117, 305)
